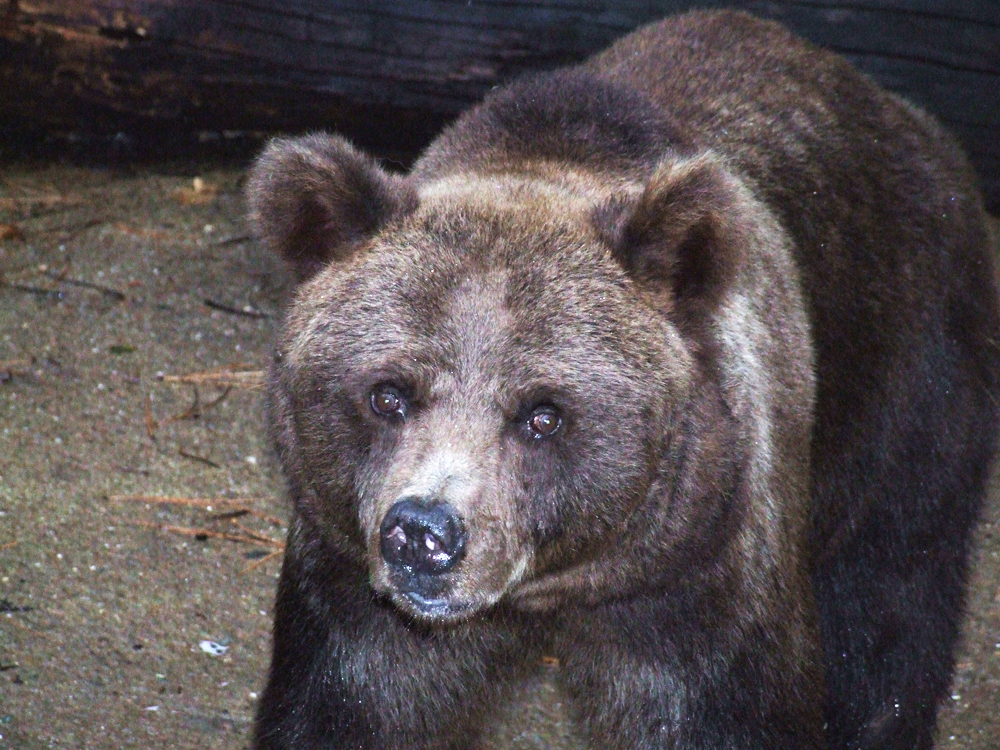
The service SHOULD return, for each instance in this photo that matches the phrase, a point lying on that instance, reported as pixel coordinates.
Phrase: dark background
(152, 79)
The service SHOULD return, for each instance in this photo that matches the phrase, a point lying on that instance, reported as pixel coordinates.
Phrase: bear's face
(479, 378)
(475, 396)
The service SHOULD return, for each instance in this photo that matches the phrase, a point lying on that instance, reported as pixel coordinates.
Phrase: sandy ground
(110, 282)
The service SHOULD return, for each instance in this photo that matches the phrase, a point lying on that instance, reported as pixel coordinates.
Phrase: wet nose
(422, 537)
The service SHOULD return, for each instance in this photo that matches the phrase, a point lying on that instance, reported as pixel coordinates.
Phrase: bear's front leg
(653, 673)
(349, 671)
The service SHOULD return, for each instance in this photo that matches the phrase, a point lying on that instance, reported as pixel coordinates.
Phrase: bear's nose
(422, 537)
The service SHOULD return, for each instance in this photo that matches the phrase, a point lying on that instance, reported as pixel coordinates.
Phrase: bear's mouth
(426, 597)
(435, 600)
(439, 609)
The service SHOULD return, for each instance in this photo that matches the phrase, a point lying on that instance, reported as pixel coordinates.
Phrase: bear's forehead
(472, 342)
(465, 309)
(488, 274)
(537, 187)
(432, 297)
(515, 246)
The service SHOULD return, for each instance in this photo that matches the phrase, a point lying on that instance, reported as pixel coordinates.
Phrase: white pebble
(213, 648)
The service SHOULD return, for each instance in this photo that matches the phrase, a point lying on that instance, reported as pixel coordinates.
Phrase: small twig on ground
(192, 412)
(30, 289)
(246, 311)
(261, 561)
(205, 503)
(200, 459)
(251, 533)
(218, 399)
(8, 545)
(234, 240)
(233, 509)
(150, 422)
(230, 514)
(197, 409)
(186, 531)
(250, 379)
(62, 278)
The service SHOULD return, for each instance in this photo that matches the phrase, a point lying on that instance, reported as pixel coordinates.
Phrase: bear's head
(503, 385)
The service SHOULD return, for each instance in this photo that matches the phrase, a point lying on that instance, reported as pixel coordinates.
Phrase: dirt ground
(115, 630)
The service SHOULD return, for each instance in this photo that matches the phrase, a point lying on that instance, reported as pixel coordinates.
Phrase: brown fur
(754, 289)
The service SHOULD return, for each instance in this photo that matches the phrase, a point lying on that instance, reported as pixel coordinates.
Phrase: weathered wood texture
(384, 69)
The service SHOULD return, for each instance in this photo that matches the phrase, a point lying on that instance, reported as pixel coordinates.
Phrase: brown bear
(679, 365)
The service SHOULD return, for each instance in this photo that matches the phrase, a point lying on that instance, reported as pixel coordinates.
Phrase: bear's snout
(420, 537)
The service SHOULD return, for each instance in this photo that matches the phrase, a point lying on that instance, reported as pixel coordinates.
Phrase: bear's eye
(386, 401)
(544, 421)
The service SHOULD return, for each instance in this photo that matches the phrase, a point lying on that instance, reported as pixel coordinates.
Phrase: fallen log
(389, 72)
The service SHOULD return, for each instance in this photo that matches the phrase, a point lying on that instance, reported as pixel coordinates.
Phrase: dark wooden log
(387, 71)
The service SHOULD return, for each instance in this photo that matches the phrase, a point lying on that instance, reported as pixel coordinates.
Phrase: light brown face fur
(453, 309)
(500, 294)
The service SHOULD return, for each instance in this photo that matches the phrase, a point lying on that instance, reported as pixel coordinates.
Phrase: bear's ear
(312, 199)
(681, 238)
